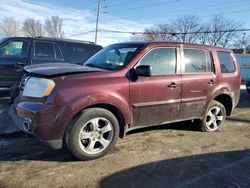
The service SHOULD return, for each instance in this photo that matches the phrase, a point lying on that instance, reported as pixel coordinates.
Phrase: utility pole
(97, 19)
(243, 43)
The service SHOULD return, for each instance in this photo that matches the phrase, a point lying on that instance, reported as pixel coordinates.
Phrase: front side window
(196, 61)
(14, 49)
(44, 50)
(114, 57)
(161, 60)
(226, 62)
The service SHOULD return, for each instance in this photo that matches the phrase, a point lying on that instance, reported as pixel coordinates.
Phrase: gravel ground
(174, 155)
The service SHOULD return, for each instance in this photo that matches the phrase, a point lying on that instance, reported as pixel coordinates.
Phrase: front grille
(23, 82)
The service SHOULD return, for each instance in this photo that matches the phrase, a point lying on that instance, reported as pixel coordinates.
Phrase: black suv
(17, 52)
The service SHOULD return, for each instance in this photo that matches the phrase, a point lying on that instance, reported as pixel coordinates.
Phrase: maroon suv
(127, 86)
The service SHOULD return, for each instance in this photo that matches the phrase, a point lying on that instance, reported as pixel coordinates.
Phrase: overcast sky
(79, 16)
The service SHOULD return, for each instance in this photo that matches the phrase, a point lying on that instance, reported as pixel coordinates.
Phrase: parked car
(127, 86)
(17, 52)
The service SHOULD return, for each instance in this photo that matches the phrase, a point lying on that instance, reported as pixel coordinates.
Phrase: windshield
(114, 57)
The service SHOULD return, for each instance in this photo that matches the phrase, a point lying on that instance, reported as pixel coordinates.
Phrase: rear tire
(93, 134)
(214, 117)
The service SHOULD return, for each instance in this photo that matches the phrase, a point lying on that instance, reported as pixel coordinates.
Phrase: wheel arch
(117, 113)
(110, 107)
(227, 102)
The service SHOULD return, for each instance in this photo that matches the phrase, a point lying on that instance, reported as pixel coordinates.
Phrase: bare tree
(188, 27)
(9, 27)
(137, 37)
(182, 29)
(222, 31)
(159, 33)
(32, 28)
(218, 31)
(53, 27)
(203, 36)
(242, 42)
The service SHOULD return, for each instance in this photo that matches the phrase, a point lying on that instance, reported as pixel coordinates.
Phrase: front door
(156, 99)
(13, 57)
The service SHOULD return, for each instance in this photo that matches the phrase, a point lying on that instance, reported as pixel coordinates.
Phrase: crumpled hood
(53, 69)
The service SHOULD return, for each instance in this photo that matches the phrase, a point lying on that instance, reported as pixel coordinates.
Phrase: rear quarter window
(226, 62)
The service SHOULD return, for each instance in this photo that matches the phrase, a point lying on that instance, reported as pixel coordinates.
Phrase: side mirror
(143, 70)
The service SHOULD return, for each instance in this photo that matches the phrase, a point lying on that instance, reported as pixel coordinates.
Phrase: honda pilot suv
(127, 86)
(17, 52)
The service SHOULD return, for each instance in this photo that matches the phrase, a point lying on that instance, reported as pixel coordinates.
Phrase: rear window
(226, 62)
(79, 53)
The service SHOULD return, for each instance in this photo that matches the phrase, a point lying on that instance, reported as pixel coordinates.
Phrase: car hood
(55, 69)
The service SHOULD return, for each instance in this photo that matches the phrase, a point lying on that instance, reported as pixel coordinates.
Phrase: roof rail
(63, 39)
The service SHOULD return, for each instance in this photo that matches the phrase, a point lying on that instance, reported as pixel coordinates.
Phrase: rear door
(198, 80)
(14, 55)
(156, 99)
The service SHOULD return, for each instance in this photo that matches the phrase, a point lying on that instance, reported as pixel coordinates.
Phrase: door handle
(211, 82)
(172, 85)
(22, 63)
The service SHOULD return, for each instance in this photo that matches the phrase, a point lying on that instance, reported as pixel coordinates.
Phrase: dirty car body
(133, 84)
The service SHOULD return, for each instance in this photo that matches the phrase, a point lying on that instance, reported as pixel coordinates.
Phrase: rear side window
(79, 53)
(226, 62)
(162, 61)
(196, 61)
(44, 50)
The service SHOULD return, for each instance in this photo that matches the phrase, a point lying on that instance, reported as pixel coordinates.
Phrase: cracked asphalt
(174, 155)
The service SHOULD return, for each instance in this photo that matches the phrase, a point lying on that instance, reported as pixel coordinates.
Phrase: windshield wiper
(90, 65)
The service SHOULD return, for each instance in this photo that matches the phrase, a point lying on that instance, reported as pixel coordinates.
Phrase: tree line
(52, 27)
(216, 31)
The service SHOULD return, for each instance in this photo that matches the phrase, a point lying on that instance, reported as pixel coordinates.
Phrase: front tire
(93, 134)
(214, 117)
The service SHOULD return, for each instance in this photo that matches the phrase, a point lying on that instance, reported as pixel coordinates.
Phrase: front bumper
(39, 120)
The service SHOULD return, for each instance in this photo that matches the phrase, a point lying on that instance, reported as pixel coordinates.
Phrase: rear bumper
(39, 120)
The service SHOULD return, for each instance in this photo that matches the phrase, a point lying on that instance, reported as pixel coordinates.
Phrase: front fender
(68, 111)
(116, 101)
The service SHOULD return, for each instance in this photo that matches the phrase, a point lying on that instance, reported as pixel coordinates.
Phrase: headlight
(38, 87)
